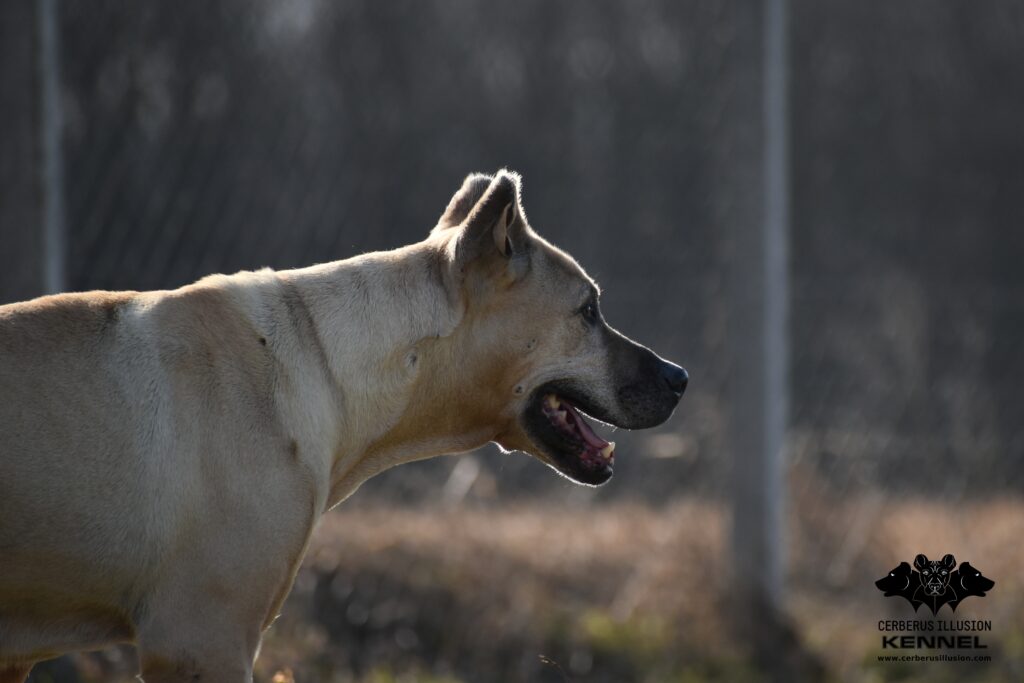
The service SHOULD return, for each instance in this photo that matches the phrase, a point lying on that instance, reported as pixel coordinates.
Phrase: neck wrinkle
(366, 316)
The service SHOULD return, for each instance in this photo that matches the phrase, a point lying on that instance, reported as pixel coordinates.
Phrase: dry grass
(622, 592)
(478, 591)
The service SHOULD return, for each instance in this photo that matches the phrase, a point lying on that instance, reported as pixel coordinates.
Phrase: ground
(618, 592)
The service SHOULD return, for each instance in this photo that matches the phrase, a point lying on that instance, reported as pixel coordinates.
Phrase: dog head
(935, 574)
(971, 581)
(897, 581)
(532, 340)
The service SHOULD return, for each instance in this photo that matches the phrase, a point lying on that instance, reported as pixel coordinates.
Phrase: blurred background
(814, 207)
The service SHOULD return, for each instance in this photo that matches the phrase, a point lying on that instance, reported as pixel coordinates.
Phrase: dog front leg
(186, 668)
(198, 641)
(210, 655)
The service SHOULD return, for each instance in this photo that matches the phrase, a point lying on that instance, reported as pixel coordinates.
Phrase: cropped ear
(921, 561)
(495, 226)
(463, 201)
(904, 568)
(948, 561)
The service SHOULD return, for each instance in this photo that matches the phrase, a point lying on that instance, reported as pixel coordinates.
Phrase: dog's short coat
(164, 456)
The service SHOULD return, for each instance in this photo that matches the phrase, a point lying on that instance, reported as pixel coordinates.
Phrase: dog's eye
(589, 312)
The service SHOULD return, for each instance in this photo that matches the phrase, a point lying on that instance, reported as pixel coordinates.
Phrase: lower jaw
(581, 472)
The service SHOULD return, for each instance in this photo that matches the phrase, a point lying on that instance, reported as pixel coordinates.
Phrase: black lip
(578, 396)
(562, 452)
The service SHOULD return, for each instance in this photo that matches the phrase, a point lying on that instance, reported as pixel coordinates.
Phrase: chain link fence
(206, 137)
(212, 138)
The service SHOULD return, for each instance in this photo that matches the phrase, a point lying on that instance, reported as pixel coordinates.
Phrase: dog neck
(381, 328)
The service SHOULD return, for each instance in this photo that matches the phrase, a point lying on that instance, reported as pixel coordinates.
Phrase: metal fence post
(759, 347)
(51, 159)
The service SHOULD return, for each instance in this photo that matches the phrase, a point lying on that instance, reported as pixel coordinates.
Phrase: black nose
(675, 377)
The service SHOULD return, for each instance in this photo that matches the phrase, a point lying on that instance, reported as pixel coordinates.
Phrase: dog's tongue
(586, 432)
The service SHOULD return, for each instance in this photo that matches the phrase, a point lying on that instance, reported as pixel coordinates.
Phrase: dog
(968, 581)
(900, 581)
(934, 589)
(164, 456)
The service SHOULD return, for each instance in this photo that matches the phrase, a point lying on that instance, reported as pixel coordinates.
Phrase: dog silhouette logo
(934, 583)
(968, 581)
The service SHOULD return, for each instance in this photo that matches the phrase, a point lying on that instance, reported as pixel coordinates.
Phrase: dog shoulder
(211, 322)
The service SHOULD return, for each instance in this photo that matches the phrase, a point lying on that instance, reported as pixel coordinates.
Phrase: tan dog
(164, 456)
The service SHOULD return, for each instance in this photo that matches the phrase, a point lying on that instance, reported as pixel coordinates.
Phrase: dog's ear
(904, 568)
(921, 561)
(495, 228)
(948, 561)
(464, 200)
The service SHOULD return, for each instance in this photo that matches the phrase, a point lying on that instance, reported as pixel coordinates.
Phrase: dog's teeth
(552, 402)
(607, 451)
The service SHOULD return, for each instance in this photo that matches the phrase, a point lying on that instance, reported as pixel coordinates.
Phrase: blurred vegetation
(610, 593)
(215, 136)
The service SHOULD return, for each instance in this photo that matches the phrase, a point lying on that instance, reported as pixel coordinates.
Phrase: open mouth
(569, 443)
